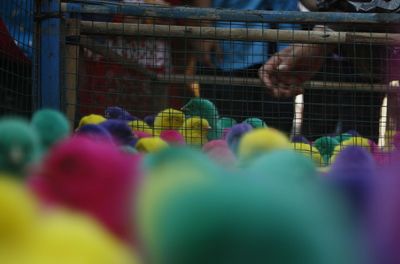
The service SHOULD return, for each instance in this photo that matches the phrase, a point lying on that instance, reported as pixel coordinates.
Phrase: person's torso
(242, 54)
(240, 4)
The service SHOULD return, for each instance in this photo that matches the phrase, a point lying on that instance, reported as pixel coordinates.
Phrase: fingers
(290, 87)
(267, 73)
(281, 75)
(265, 76)
(281, 85)
(273, 74)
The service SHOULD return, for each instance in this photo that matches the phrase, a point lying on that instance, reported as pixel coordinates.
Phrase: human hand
(286, 71)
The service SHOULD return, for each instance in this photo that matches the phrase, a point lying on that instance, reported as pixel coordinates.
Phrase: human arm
(205, 49)
(285, 72)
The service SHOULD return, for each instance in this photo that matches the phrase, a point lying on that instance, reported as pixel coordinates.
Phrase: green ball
(52, 126)
(168, 173)
(326, 146)
(176, 158)
(226, 122)
(240, 221)
(19, 145)
(255, 122)
(284, 165)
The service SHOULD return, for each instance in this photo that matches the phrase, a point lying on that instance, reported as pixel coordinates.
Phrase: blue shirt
(243, 54)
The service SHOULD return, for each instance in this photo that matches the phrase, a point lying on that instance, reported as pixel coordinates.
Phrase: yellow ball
(151, 144)
(65, 238)
(260, 141)
(139, 125)
(18, 211)
(91, 120)
(308, 151)
(195, 131)
(168, 119)
(18, 218)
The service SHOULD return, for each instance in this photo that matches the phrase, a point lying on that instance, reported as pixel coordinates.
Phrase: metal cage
(145, 58)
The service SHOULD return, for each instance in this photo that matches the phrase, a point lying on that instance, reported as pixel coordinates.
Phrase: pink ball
(92, 177)
(172, 137)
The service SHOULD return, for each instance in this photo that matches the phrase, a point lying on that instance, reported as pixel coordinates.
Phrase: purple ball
(95, 132)
(385, 213)
(119, 130)
(115, 112)
(352, 175)
(235, 134)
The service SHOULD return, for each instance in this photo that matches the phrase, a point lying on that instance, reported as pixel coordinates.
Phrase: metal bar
(221, 80)
(245, 34)
(49, 56)
(261, 16)
(255, 82)
(72, 61)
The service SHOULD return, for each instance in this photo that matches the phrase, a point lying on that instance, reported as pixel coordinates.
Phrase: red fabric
(8, 48)
(111, 84)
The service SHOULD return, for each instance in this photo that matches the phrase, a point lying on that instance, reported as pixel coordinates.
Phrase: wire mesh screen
(307, 79)
(16, 49)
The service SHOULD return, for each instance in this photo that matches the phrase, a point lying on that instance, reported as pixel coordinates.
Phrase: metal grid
(146, 58)
(16, 53)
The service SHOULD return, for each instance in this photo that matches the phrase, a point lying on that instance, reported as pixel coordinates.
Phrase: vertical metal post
(71, 62)
(48, 53)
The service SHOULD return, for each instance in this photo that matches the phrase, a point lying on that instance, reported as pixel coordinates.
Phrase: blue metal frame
(49, 54)
(106, 7)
